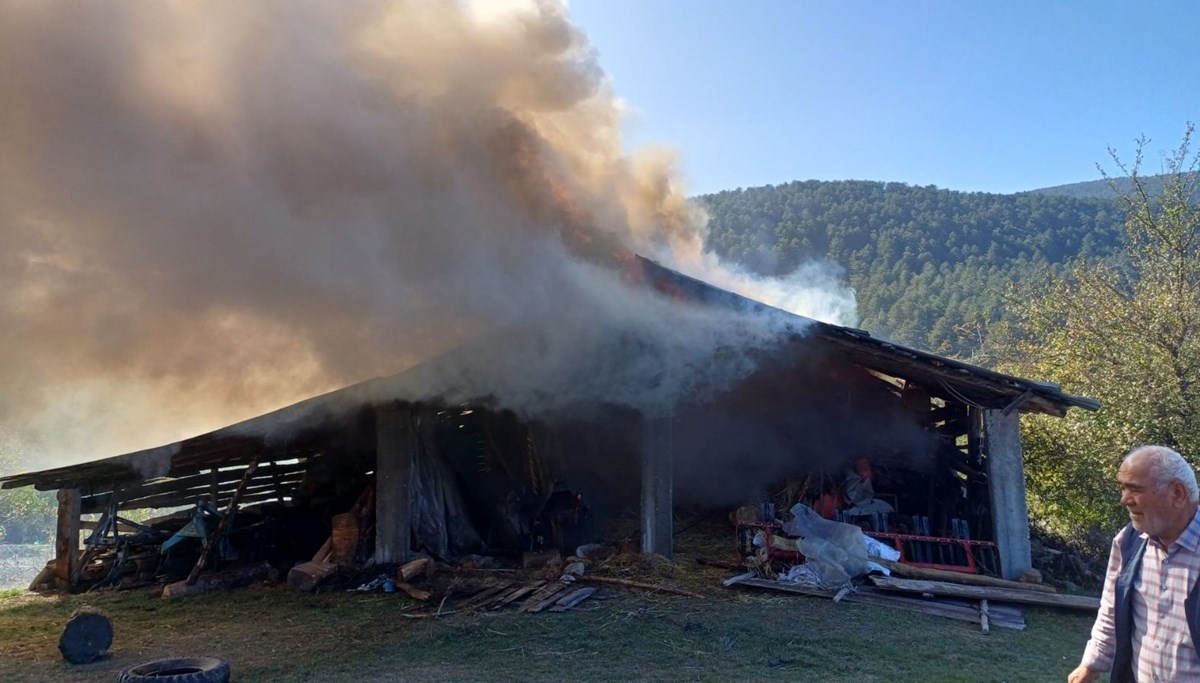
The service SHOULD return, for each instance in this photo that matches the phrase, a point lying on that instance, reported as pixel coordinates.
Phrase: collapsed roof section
(282, 441)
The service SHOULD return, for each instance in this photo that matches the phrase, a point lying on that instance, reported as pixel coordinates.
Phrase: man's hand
(1082, 674)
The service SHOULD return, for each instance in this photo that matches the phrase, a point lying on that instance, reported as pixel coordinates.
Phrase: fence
(20, 563)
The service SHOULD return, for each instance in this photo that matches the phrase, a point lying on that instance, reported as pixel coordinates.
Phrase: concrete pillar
(1006, 484)
(66, 538)
(658, 484)
(395, 440)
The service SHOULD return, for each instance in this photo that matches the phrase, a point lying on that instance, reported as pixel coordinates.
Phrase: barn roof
(296, 430)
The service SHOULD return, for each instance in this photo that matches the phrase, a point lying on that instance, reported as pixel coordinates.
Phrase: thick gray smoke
(209, 210)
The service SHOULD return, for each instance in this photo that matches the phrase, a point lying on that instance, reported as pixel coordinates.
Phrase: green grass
(271, 634)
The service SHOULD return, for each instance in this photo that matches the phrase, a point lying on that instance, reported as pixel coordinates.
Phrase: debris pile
(809, 555)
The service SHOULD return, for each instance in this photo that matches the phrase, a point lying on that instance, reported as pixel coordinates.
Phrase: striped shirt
(1163, 649)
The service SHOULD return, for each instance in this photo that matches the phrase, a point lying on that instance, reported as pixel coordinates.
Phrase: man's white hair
(1167, 466)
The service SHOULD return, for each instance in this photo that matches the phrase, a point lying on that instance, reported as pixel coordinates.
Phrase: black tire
(183, 670)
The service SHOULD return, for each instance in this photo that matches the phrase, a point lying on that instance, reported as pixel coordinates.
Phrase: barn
(409, 464)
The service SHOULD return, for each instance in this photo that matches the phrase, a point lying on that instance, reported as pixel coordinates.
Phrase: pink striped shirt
(1163, 649)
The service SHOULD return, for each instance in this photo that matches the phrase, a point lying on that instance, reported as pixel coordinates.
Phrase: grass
(272, 634)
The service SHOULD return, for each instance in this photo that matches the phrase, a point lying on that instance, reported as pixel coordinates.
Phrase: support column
(658, 483)
(395, 441)
(1006, 484)
(66, 538)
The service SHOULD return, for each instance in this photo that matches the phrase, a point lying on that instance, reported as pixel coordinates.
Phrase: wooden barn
(400, 471)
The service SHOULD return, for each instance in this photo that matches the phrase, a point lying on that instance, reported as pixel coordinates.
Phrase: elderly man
(1148, 626)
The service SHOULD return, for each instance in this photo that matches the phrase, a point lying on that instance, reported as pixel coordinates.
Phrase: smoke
(210, 210)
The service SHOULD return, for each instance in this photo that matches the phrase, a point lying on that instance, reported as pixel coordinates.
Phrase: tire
(183, 670)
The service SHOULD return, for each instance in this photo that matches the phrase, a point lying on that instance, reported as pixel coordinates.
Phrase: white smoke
(210, 210)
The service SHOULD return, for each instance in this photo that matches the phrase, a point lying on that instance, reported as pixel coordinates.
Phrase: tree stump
(87, 636)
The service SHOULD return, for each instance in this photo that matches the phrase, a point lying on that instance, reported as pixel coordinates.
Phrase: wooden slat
(572, 599)
(541, 594)
(987, 593)
(517, 594)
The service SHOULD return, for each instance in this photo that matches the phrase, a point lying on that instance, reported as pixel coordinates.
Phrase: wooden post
(66, 538)
(657, 486)
(395, 441)
(1006, 484)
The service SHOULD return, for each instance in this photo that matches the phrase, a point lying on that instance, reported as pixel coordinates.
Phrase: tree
(1125, 330)
(26, 515)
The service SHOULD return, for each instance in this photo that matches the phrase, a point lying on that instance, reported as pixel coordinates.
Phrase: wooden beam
(66, 538)
(395, 442)
(1006, 486)
(657, 486)
(958, 590)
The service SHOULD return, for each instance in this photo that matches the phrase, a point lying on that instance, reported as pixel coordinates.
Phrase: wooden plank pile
(527, 597)
(988, 601)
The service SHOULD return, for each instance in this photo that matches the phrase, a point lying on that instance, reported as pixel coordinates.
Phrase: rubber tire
(182, 670)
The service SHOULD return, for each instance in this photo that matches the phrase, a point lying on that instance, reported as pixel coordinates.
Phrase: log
(86, 637)
(956, 590)
(639, 584)
(410, 570)
(322, 554)
(910, 572)
(414, 592)
(232, 578)
(306, 576)
(344, 538)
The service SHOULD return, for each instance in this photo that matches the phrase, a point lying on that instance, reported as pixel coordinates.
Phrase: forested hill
(929, 266)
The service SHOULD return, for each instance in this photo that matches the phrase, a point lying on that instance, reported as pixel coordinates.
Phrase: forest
(930, 267)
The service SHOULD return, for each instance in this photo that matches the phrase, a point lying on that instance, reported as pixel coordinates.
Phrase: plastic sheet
(836, 552)
(438, 512)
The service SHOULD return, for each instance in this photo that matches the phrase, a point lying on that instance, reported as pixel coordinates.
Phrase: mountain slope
(930, 266)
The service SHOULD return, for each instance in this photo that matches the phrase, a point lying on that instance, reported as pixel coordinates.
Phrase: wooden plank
(485, 596)
(572, 599)
(562, 590)
(542, 594)
(910, 572)
(517, 594)
(660, 588)
(867, 596)
(987, 593)
(226, 519)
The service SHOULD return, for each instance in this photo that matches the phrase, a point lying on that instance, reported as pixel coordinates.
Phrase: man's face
(1152, 509)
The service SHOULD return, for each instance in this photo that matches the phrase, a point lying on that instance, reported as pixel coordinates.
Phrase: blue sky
(987, 96)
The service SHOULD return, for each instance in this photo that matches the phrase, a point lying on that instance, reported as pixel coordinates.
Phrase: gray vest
(1133, 547)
